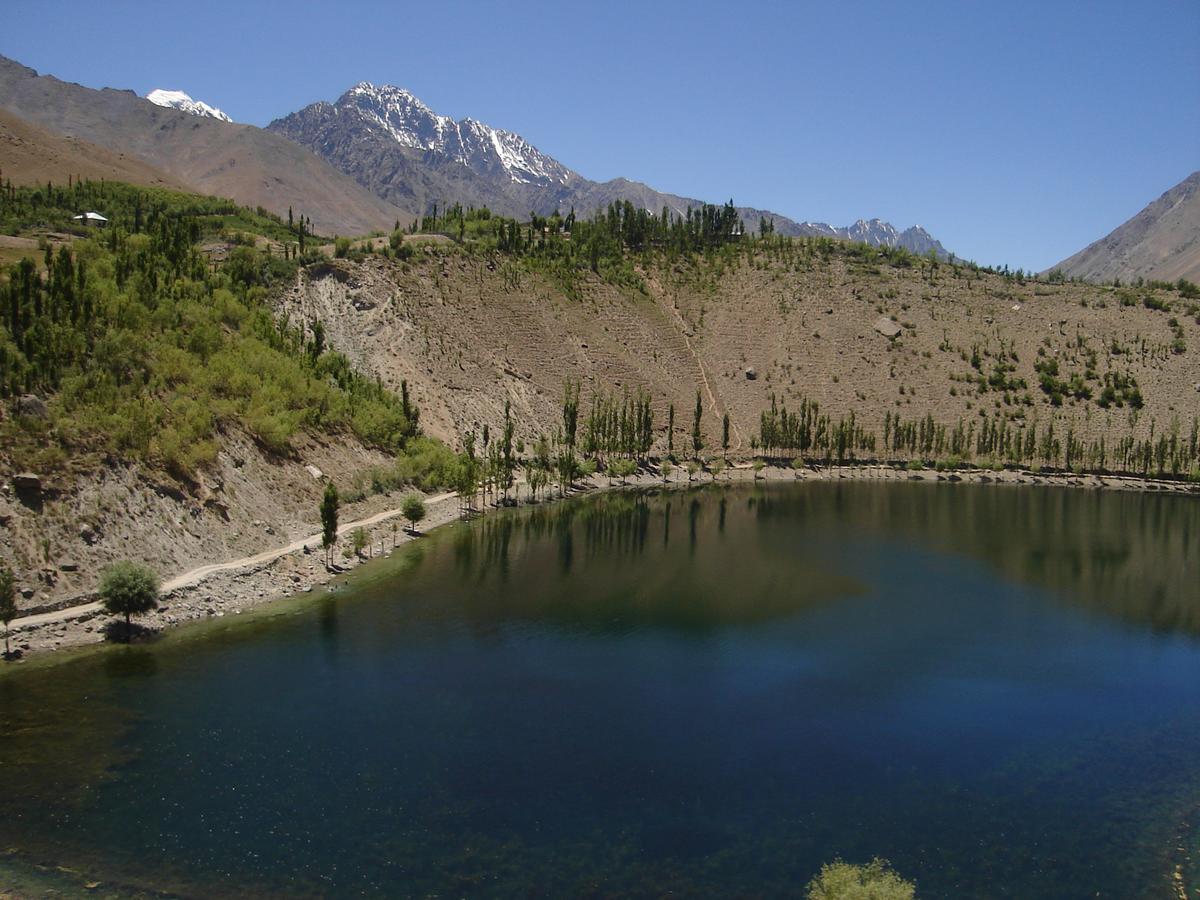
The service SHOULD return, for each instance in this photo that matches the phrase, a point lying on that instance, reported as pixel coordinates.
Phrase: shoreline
(215, 590)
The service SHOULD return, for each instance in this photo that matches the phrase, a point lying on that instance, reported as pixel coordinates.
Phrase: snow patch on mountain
(410, 122)
(181, 101)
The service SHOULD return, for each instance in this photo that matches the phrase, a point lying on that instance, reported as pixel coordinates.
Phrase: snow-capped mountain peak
(390, 141)
(407, 120)
(181, 101)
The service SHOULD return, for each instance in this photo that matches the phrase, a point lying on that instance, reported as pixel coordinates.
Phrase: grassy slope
(179, 412)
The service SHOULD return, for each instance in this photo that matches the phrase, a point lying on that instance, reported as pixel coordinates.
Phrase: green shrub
(128, 589)
(413, 509)
(875, 881)
(427, 464)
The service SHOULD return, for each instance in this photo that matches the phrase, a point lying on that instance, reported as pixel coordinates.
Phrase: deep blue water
(712, 693)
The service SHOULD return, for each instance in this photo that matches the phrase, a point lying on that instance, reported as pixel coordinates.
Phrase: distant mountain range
(181, 101)
(394, 145)
(1162, 242)
(379, 155)
(204, 154)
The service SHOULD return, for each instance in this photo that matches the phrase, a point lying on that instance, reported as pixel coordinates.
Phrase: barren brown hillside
(244, 163)
(1160, 242)
(468, 334)
(30, 154)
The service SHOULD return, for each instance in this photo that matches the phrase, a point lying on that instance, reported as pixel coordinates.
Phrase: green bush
(128, 589)
(427, 464)
(875, 881)
(413, 509)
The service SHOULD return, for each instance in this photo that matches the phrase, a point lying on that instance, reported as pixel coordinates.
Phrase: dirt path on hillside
(682, 326)
(199, 573)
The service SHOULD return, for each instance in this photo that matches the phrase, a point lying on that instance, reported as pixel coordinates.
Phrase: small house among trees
(91, 218)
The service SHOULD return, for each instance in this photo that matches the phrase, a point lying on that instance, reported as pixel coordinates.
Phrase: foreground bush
(875, 881)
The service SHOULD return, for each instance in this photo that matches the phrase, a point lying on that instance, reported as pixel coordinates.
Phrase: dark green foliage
(570, 415)
(1056, 388)
(130, 209)
(567, 467)
(1120, 390)
(413, 510)
(8, 604)
(329, 519)
(809, 433)
(567, 248)
(623, 428)
(697, 439)
(128, 589)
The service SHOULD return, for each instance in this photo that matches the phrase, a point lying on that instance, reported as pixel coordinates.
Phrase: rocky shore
(229, 589)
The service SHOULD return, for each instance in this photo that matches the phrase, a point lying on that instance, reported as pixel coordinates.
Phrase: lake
(711, 693)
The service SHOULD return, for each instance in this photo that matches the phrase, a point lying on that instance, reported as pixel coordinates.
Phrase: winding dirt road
(201, 572)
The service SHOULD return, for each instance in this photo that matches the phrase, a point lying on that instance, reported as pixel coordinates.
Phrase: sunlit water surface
(711, 693)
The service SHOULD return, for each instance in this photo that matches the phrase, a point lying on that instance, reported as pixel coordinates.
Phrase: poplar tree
(697, 441)
(570, 413)
(329, 519)
(8, 604)
(508, 463)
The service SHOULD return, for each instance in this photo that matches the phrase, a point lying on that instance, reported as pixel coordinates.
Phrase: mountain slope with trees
(149, 394)
(915, 358)
(1160, 243)
(186, 380)
(250, 165)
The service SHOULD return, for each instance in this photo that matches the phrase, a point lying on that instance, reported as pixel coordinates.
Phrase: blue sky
(1015, 132)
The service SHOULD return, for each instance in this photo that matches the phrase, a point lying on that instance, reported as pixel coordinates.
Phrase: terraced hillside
(797, 320)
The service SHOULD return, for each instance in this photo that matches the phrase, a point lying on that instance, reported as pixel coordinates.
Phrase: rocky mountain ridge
(396, 146)
(1162, 242)
(202, 153)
